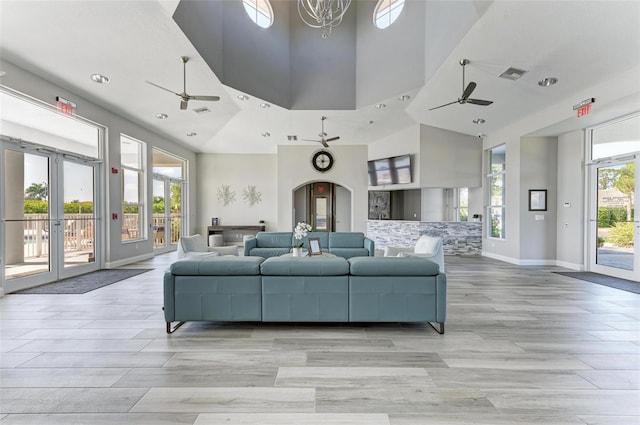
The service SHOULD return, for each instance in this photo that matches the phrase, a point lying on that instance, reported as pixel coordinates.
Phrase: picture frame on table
(314, 247)
(537, 199)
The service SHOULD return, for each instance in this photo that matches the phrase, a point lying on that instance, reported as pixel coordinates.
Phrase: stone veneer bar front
(459, 238)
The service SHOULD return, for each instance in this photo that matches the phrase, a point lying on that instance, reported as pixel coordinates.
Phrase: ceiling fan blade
(480, 102)
(333, 139)
(312, 140)
(207, 98)
(442, 106)
(165, 89)
(324, 143)
(467, 92)
(183, 104)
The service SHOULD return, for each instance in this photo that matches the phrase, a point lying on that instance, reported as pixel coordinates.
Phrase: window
(463, 204)
(496, 195)
(386, 12)
(132, 154)
(259, 11)
(169, 184)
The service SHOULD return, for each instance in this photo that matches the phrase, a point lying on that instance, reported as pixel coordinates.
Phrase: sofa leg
(439, 327)
(171, 330)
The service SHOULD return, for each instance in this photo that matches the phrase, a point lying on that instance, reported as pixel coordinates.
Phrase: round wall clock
(322, 161)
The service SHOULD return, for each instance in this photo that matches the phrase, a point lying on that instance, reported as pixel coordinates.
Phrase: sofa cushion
(304, 266)
(194, 243)
(322, 236)
(274, 239)
(206, 265)
(346, 240)
(392, 266)
(225, 250)
(350, 252)
(268, 252)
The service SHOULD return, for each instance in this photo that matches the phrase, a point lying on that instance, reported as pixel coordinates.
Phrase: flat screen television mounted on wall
(393, 170)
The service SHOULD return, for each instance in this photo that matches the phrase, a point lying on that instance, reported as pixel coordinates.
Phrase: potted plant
(301, 230)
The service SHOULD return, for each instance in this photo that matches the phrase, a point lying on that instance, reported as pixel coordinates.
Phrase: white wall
(571, 218)
(294, 169)
(538, 170)
(403, 142)
(449, 159)
(238, 171)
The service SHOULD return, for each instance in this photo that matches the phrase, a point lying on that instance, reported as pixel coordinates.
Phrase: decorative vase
(297, 252)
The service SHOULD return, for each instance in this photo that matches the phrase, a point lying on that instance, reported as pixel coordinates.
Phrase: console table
(233, 234)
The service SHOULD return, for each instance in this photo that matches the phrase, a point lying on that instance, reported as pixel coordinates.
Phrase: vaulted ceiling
(583, 44)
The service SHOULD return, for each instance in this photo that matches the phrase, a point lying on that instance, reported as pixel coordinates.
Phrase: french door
(49, 216)
(167, 213)
(614, 228)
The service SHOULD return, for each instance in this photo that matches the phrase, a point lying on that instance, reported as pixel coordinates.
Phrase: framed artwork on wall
(537, 199)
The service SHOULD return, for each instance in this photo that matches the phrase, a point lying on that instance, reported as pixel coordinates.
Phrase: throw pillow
(395, 251)
(193, 243)
(427, 245)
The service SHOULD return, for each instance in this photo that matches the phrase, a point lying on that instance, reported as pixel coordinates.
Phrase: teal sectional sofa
(342, 244)
(304, 289)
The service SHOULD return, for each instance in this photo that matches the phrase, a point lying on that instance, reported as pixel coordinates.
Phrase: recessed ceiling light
(192, 134)
(99, 78)
(479, 121)
(243, 97)
(546, 82)
(266, 134)
(265, 105)
(381, 105)
(2, 73)
(404, 98)
(162, 116)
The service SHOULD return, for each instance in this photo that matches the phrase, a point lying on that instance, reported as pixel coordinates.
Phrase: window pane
(497, 192)
(131, 186)
(130, 152)
(618, 138)
(131, 222)
(497, 222)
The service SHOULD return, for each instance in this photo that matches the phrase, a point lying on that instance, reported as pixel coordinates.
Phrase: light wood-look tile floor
(523, 346)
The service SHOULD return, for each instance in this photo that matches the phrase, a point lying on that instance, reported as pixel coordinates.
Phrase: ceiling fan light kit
(466, 92)
(184, 96)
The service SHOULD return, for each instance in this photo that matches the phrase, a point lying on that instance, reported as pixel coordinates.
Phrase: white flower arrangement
(301, 230)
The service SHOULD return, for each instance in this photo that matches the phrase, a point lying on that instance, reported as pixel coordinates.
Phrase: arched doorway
(326, 206)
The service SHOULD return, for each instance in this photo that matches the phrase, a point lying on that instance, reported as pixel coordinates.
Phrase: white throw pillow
(427, 245)
(195, 243)
(395, 251)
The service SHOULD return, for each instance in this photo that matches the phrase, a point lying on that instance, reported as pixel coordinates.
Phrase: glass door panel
(27, 215)
(616, 223)
(159, 225)
(175, 208)
(79, 214)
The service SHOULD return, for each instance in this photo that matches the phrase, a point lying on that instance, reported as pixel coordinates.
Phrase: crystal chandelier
(324, 14)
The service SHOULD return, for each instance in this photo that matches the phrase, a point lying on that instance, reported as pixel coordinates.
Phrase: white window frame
(142, 190)
(490, 176)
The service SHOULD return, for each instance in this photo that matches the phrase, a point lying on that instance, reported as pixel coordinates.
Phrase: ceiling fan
(184, 96)
(323, 136)
(466, 92)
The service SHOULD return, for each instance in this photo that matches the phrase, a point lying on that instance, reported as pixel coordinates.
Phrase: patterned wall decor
(226, 195)
(251, 195)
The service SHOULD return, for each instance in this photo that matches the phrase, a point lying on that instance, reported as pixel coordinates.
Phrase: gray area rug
(84, 283)
(601, 279)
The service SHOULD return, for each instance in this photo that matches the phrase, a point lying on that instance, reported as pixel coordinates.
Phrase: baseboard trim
(572, 266)
(518, 261)
(126, 261)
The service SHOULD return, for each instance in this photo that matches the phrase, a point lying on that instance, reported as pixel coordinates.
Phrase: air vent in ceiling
(513, 73)
(292, 138)
(202, 110)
